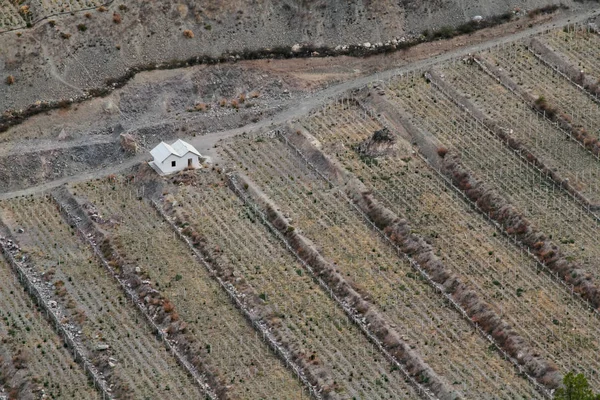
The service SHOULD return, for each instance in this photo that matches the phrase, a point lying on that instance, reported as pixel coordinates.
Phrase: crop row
(450, 347)
(34, 359)
(548, 86)
(540, 309)
(552, 210)
(42, 8)
(134, 362)
(539, 135)
(304, 316)
(580, 45)
(228, 347)
(9, 16)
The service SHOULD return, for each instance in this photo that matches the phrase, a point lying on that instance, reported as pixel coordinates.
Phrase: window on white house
(173, 163)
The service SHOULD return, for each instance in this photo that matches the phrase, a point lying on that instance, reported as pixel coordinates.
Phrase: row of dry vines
(375, 270)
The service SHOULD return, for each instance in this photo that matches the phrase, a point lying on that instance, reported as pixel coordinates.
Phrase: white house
(176, 157)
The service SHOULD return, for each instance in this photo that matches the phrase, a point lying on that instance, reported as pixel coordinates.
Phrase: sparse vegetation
(188, 34)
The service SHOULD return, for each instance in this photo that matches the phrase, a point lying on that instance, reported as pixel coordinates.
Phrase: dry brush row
(518, 147)
(562, 65)
(244, 296)
(512, 221)
(39, 292)
(543, 106)
(466, 300)
(374, 325)
(158, 311)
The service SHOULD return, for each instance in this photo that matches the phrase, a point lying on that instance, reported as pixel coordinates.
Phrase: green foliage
(576, 387)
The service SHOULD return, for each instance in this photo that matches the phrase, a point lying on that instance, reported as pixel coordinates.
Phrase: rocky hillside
(66, 54)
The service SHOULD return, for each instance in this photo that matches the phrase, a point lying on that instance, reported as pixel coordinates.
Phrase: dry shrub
(79, 316)
(10, 80)
(88, 15)
(242, 98)
(223, 102)
(59, 289)
(200, 107)
(128, 143)
(254, 95)
(65, 35)
(117, 18)
(442, 151)
(168, 306)
(20, 360)
(235, 104)
(48, 275)
(542, 105)
(188, 34)
(102, 9)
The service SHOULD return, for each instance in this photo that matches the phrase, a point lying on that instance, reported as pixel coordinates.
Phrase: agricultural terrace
(230, 348)
(581, 46)
(546, 84)
(9, 16)
(566, 156)
(540, 309)
(44, 8)
(143, 367)
(549, 207)
(303, 315)
(425, 321)
(33, 348)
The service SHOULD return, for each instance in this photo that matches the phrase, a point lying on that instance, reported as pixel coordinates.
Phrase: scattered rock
(128, 143)
(102, 347)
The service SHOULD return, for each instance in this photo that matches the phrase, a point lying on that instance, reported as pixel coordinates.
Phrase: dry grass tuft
(188, 34)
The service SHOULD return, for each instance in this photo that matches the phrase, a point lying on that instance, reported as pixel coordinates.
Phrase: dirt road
(206, 143)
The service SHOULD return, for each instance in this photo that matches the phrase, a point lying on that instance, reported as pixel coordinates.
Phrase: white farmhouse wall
(181, 163)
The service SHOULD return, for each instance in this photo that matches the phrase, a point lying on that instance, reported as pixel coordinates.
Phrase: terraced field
(548, 142)
(231, 349)
(541, 81)
(549, 207)
(303, 315)
(580, 45)
(9, 16)
(543, 311)
(431, 236)
(141, 366)
(42, 8)
(451, 347)
(16, 14)
(33, 354)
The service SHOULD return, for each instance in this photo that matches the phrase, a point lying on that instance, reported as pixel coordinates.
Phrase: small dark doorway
(189, 162)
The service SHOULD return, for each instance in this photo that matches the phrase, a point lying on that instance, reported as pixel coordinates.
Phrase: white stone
(367, 45)
(296, 48)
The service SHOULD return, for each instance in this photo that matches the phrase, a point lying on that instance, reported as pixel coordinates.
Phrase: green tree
(576, 387)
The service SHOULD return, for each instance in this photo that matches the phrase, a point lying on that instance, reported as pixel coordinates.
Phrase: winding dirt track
(205, 144)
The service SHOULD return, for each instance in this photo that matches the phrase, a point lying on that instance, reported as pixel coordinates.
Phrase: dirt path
(206, 143)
